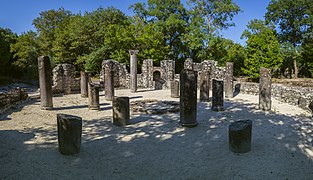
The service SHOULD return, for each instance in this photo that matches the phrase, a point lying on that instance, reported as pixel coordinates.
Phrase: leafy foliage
(263, 49)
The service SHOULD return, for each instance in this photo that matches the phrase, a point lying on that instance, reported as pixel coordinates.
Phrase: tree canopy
(166, 29)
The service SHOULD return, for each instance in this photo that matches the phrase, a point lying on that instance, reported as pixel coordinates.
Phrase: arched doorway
(158, 81)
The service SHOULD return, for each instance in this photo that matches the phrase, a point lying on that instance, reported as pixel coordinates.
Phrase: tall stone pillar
(45, 82)
(229, 80)
(93, 97)
(217, 95)
(265, 89)
(133, 70)
(205, 85)
(84, 78)
(121, 112)
(109, 81)
(188, 98)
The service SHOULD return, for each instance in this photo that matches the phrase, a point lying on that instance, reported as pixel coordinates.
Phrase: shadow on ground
(156, 147)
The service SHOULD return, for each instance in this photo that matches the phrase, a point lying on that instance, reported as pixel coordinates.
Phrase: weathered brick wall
(63, 78)
(10, 98)
(294, 95)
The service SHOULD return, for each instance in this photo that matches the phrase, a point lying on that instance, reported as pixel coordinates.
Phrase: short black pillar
(175, 89)
(121, 112)
(188, 98)
(69, 133)
(240, 136)
(93, 97)
(217, 95)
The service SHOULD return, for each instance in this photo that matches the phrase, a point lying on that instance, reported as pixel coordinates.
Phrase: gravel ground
(156, 146)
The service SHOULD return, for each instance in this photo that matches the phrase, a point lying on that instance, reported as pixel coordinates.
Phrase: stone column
(133, 70)
(188, 98)
(84, 78)
(45, 82)
(240, 136)
(93, 97)
(109, 81)
(229, 80)
(121, 113)
(205, 85)
(265, 88)
(217, 95)
(175, 89)
(69, 133)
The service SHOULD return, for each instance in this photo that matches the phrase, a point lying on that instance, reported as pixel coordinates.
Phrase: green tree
(7, 37)
(46, 25)
(306, 60)
(293, 19)
(206, 19)
(263, 48)
(26, 53)
(169, 18)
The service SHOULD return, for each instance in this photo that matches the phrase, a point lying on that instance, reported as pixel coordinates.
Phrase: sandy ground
(156, 146)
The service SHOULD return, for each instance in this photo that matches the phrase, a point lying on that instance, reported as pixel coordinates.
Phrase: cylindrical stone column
(205, 85)
(240, 136)
(188, 98)
(265, 89)
(229, 80)
(45, 82)
(121, 114)
(217, 95)
(93, 97)
(175, 89)
(84, 78)
(109, 81)
(133, 70)
(69, 133)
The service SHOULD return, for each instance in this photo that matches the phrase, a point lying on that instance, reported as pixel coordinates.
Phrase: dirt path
(155, 146)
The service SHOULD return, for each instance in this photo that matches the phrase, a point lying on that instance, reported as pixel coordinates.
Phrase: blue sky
(19, 14)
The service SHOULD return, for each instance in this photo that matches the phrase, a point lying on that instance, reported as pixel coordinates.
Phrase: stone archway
(157, 79)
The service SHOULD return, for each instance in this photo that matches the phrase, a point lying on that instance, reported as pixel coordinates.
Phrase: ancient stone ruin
(158, 77)
(63, 78)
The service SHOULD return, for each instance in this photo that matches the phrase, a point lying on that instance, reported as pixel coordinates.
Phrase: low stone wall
(294, 95)
(11, 98)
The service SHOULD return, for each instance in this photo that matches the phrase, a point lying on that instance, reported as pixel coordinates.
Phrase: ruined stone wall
(146, 77)
(63, 78)
(294, 95)
(121, 75)
(10, 98)
(210, 65)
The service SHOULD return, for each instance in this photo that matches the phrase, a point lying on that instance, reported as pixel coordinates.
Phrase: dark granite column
(240, 136)
(121, 112)
(175, 89)
(69, 133)
(188, 98)
(205, 85)
(133, 70)
(229, 80)
(93, 97)
(265, 89)
(84, 78)
(217, 95)
(45, 82)
(109, 81)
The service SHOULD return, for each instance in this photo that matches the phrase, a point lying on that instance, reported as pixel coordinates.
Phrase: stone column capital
(133, 52)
